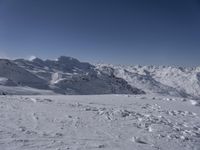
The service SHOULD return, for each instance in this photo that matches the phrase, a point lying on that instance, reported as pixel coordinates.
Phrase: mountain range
(67, 75)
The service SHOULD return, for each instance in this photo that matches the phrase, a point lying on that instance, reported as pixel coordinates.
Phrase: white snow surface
(107, 122)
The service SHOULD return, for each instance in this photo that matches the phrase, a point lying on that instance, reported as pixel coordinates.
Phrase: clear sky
(112, 31)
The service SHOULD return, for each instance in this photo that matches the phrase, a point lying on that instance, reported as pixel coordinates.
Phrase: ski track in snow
(99, 122)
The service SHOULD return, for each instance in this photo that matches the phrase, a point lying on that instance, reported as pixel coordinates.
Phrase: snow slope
(20, 76)
(110, 122)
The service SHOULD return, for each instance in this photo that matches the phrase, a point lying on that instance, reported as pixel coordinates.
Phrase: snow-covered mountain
(65, 75)
(15, 75)
(163, 80)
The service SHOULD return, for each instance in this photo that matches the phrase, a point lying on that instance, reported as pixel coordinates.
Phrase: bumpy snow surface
(110, 122)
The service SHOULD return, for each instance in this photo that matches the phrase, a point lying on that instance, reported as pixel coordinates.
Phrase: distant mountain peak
(31, 58)
(66, 59)
(37, 60)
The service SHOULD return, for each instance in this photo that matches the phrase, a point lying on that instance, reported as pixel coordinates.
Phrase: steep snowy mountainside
(69, 64)
(94, 83)
(83, 78)
(16, 75)
(186, 80)
(63, 63)
(65, 75)
(174, 81)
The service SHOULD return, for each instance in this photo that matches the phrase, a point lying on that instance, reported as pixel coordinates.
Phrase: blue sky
(111, 31)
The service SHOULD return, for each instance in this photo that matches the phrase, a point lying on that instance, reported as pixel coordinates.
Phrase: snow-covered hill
(163, 80)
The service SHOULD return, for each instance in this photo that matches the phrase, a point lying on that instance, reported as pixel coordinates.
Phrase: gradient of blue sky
(112, 31)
